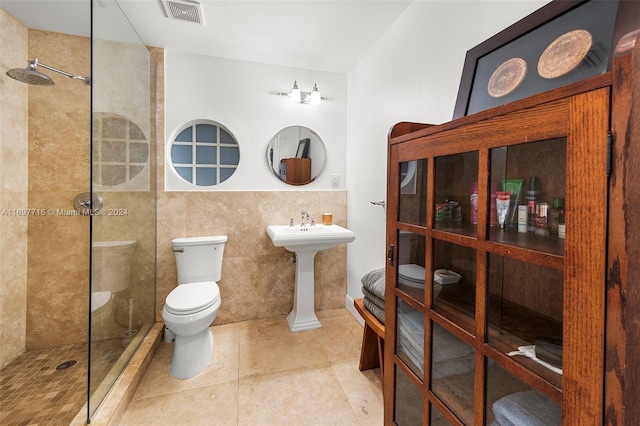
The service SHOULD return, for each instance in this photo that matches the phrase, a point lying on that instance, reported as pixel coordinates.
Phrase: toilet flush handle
(178, 250)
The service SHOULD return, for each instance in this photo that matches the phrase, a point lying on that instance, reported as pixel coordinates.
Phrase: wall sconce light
(299, 97)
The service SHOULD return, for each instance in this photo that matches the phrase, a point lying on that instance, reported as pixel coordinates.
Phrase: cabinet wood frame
(601, 326)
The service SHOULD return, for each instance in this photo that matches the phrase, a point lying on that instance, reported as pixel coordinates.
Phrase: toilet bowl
(192, 306)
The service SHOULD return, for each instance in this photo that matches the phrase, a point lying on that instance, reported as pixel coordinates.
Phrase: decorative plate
(564, 54)
(507, 77)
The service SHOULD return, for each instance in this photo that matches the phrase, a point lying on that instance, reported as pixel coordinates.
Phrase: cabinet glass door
(408, 400)
(527, 195)
(413, 192)
(410, 260)
(456, 193)
(452, 372)
(512, 402)
(454, 283)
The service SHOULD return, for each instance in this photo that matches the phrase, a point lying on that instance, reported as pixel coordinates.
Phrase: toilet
(192, 306)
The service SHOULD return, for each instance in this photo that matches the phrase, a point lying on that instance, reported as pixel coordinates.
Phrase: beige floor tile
(363, 390)
(212, 405)
(294, 398)
(268, 346)
(340, 337)
(262, 374)
(332, 313)
(223, 367)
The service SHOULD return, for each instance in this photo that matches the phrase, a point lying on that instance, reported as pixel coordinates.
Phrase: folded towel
(374, 309)
(529, 408)
(374, 281)
(446, 346)
(452, 367)
(377, 300)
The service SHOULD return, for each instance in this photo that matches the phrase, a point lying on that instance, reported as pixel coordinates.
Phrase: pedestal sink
(305, 242)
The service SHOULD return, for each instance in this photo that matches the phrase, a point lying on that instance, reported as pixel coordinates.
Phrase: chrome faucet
(304, 213)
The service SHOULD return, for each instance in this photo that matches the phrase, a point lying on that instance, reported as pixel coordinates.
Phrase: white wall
(242, 97)
(411, 74)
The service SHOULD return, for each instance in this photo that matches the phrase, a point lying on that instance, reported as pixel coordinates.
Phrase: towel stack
(450, 355)
(373, 284)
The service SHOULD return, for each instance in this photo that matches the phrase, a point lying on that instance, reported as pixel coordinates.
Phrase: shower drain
(66, 364)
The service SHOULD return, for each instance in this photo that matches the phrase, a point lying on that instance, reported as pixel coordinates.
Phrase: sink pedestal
(302, 316)
(305, 241)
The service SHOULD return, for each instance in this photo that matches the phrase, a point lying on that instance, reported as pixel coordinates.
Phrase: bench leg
(370, 355)
(381, 358)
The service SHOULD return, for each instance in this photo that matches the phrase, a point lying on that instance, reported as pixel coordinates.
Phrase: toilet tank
(199, 258)
(111, 265)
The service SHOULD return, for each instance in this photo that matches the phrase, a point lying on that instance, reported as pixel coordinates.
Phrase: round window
(204, 153)
(120, 150)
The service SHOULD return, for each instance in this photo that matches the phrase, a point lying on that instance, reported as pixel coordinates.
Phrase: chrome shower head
(29, 75)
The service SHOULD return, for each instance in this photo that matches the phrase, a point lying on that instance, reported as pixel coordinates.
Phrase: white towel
(530, 352)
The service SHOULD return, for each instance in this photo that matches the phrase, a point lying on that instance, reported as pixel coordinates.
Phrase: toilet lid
(412, 274)
(193, 297)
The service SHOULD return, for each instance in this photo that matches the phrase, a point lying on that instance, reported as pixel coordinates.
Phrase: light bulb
(295, 93)
(315, 95)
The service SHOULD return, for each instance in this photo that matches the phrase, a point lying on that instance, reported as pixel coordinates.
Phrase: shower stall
(77, 206)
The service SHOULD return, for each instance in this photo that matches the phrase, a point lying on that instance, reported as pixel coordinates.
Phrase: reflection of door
(296, 171)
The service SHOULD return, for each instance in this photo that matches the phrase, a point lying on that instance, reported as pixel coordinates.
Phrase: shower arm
(86, 80)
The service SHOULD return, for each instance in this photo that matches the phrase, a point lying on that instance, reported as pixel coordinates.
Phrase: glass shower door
(123, 179)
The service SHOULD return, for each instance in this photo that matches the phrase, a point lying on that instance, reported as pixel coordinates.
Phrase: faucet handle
(291, 221)
(313, 221)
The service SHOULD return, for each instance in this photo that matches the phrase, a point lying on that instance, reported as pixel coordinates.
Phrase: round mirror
(296, 155)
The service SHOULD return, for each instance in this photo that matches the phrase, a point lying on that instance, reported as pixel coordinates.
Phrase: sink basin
(309, 238)
(305, 242)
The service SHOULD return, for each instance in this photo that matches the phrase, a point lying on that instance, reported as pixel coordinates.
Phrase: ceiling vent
(184, 10)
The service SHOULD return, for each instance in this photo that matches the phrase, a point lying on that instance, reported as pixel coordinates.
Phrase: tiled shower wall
(13, 191)
(59, 149)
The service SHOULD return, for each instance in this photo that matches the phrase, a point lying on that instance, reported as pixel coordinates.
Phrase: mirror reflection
(296, 155)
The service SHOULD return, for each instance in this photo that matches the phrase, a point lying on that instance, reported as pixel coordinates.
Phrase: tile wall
(13, 191)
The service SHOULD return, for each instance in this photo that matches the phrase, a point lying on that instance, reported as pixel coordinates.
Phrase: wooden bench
(372, 352)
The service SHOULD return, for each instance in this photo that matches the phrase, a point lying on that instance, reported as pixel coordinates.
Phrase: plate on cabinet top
(507, 77)
(564, 54)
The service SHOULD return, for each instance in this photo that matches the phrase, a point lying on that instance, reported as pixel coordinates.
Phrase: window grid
(194, 166)
(124, 132)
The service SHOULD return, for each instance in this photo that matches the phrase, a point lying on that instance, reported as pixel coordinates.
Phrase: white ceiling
(324, 35)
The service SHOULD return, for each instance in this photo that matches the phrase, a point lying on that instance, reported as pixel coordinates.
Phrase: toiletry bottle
(542, 219)
(473, 214)
(493, 212)
(557, 211)
(523, 215)
(532, 195)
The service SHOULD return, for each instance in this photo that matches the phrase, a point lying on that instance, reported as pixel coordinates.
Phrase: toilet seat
(411, 275)
(187, 299)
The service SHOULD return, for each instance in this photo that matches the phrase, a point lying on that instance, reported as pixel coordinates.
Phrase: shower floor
(33, 391)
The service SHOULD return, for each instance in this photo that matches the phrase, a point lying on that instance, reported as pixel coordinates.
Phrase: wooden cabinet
(465, 339)
(295, 171)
